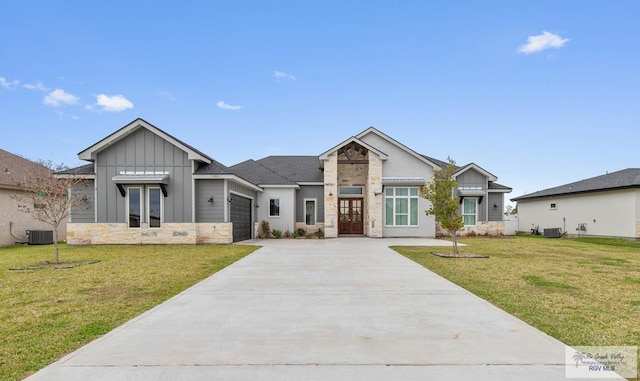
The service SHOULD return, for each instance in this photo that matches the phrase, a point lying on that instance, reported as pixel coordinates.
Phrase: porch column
(374, 203)
(331, 196)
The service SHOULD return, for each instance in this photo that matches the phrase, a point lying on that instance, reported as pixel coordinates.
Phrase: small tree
(444, 204)
(49, 199)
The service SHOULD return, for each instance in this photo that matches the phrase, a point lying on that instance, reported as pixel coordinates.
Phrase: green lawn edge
(48, 313)
(583, 292)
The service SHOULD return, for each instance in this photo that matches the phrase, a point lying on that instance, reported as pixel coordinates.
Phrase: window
(401, 206)
(309, 212)
(154, 207)
(134, 207)
(350, 191)
(553, 205)
(469, 211)
(274, 207)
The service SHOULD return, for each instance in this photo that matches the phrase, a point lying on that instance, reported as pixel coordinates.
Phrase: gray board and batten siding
(143, 151)
(472, 179)
(210, 211)
(497, 199)
(310, 192)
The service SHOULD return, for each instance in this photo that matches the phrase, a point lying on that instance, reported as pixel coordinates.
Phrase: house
(15, 223)
(146, 186)
(606, 205)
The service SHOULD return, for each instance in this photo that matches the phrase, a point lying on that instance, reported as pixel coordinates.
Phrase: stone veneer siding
(373, 203)
(331, 196)
(169, 233)
(489, 228)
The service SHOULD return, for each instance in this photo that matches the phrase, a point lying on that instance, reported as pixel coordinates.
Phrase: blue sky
(539, 93)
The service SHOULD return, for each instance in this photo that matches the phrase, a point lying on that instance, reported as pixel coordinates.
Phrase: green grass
(581, 291)
(48, 313)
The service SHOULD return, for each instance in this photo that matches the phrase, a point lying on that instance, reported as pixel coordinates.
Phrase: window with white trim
(309, 211)
(274, 207)
(401, 206)
(470, 211)
(154, 207)
(134, 206)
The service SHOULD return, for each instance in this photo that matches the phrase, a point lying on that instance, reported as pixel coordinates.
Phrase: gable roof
(89, 153)
(299, 169)
(256, 173)
(14, 169)
(626, 178)
(469, 166)
(325, 154)
(391, 140)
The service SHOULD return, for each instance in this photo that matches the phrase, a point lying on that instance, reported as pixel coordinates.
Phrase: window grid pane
(401, 206)
(310, 212)
(154, 207)
(134, 207)
(274, 207)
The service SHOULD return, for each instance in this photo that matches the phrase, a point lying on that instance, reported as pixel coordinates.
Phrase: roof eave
(89, 154)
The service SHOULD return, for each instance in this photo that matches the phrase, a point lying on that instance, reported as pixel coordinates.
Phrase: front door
(350, 216)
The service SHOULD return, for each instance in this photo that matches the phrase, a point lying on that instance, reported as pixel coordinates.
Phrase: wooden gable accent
(353, 153)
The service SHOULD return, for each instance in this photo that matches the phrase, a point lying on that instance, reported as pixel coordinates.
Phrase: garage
(240, 216)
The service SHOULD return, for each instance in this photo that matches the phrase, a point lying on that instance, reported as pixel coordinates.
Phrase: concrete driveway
(334, 309)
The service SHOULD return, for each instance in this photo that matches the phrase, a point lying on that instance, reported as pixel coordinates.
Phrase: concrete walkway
(334, 309)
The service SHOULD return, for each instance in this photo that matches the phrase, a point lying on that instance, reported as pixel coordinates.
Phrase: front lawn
(48, 313)
(583, 292)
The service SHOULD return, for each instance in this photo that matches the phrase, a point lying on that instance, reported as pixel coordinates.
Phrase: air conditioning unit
(40, 237)
(552, 233)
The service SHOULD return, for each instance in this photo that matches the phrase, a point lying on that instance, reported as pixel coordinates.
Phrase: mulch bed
(452, 255)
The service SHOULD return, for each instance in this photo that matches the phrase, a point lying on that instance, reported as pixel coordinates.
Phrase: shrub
(320, 233)
(276, 233)
(265, 229)
(300, 232)
(287, 234)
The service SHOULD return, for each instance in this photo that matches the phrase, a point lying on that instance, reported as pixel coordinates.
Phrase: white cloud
(544, 41)
(8, 84)
(35, 86)
(168, 95)
(58, 97)
(111, 103)
(222, 105)
(282, 74)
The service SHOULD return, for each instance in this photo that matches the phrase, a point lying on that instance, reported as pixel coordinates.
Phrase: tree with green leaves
(445, 205)
(48, 198)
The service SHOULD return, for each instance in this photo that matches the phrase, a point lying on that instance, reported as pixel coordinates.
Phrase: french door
(350, 216)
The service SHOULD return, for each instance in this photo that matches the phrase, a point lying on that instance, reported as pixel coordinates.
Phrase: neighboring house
(146, 186)
(607, 205)
(14, 223)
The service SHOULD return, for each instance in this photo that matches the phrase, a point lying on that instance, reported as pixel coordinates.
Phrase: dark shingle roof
(626, 178)
(295, 168)
(86, 169)
(215, 168)
(493, 185)
(256, 173)
(15, 169)
(439, 163)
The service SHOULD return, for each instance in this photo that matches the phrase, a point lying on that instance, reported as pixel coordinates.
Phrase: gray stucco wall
(143, 150)
(210, 211)
(402, 164)
(310, 192)
(495, 214)
(84, 213)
